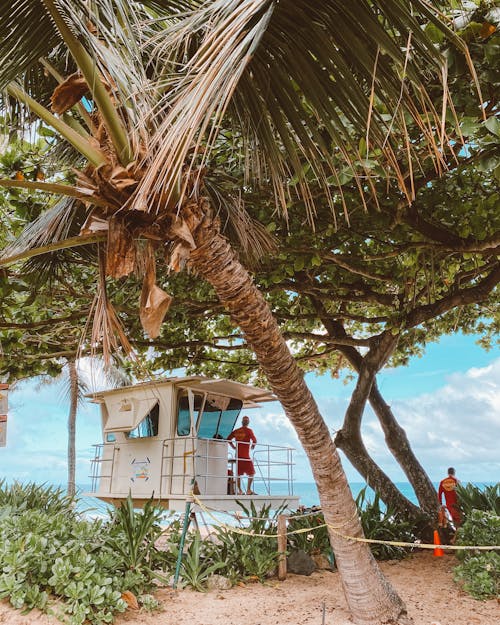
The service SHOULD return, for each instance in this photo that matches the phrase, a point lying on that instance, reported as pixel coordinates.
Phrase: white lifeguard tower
(166, 439)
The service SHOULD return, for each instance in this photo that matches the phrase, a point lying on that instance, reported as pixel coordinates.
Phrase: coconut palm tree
(155, 89)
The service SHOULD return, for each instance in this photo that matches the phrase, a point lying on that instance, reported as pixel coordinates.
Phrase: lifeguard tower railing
(208, 466)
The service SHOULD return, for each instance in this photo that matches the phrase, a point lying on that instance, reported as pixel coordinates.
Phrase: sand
(423, 581)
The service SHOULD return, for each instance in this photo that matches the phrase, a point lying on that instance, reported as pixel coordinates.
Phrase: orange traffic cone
(437, 550)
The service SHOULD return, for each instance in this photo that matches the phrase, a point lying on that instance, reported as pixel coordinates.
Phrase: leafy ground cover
(80, 570)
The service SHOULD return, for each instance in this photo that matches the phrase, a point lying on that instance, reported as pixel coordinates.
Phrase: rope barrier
(334, 529)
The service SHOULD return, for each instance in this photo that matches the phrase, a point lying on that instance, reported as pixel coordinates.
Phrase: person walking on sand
(245, 441)
(448, 487)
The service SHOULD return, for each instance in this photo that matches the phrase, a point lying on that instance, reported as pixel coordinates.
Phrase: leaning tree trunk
(395, 436)
(73, 385)
(349, 438)
(370, 597)
(351, 443)
(400, 447)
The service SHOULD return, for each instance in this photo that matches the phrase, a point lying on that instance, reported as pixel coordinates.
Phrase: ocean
(306, 491)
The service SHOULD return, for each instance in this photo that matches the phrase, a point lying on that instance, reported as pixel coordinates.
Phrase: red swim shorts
(245, 467)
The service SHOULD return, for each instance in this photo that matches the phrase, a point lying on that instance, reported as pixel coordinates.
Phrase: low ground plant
(198, 564)
(77, 569)
(130, 536)
(44, 556)
(35, 497)
(247, 554)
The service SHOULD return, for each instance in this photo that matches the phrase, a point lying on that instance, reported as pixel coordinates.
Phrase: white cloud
(457, 425)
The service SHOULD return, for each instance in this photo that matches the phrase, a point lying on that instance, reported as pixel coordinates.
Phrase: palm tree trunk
(73, 381)
(370, 597)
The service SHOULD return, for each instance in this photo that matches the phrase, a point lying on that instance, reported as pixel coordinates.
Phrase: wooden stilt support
(282, 546)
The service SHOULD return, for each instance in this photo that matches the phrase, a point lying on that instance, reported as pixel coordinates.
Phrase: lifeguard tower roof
(251, 396)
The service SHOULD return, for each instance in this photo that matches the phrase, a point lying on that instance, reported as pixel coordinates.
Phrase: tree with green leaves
(466, 242)
(154, 91)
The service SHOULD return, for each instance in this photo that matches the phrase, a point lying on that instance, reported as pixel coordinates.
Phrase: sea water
(306, 491)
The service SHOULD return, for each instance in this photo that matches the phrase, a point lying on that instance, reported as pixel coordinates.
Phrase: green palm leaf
(294, 78)
(26, 34)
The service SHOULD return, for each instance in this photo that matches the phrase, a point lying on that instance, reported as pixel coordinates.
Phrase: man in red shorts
(245, 440)
(447, 487)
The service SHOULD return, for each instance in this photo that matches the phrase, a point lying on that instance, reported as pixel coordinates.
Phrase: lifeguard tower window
(216, 422)
(183, 418)
(148, 426)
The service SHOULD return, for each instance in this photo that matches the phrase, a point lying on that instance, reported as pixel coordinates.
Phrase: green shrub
(377, 521)
(382, 523)
(44, 555)
(472, 497)
(312, 541)
(480, 528)
(479, 571)
(480, 575)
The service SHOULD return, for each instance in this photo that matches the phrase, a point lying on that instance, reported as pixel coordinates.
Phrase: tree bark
(353, 447)
(395, 436)
(73, 385)
(400, 447)
(349, 438)
(370, 596)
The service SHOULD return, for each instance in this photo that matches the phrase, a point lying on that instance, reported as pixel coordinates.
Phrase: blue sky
(448, 401)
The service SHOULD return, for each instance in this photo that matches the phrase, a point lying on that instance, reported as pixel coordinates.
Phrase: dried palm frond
(154, 302)
(107, 329)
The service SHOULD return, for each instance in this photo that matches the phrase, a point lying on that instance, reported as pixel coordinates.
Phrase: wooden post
(4, 388)
(282, 546)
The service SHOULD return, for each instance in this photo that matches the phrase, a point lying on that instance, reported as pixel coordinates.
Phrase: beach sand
(423, 581)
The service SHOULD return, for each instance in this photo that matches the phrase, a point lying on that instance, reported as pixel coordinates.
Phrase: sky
(448, 401)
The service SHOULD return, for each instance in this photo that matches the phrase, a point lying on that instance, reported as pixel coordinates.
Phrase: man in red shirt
(447, 487)
(245, 440)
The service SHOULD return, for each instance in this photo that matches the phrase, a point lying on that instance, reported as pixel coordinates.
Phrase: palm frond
(52, 226)
(50, 187)
(298, 78)
(82, 144)
(26, 34)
